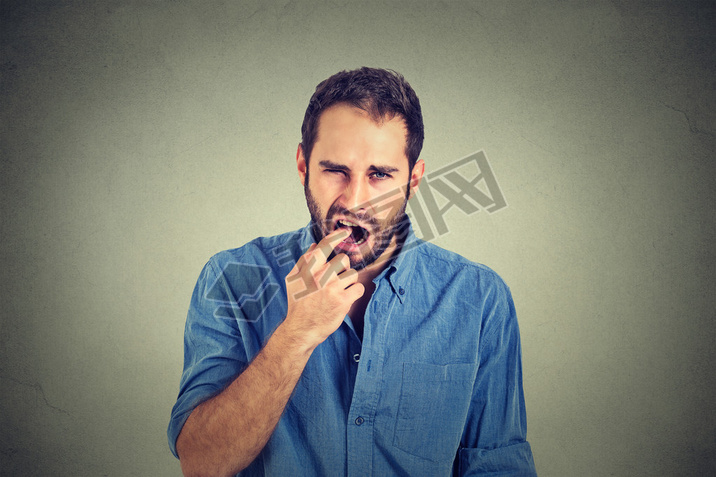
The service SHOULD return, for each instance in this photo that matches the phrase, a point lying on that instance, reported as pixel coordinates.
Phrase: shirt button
(359, 421)
(401, 290)
(356, 357)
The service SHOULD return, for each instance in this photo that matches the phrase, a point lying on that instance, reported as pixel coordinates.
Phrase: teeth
(347, 222)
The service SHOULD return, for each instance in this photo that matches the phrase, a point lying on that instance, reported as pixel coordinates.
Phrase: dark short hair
(381, 93)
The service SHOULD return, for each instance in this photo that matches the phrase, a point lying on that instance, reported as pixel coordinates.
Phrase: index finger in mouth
(329, 242)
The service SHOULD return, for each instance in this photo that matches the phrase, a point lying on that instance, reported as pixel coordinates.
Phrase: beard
(382, 231)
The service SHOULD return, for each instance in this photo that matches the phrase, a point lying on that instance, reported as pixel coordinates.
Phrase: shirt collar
(305, 238)
(400, 269)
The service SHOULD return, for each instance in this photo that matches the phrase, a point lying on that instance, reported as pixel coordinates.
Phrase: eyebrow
(340, 167)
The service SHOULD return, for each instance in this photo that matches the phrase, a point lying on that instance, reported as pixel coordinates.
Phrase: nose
(356, 195)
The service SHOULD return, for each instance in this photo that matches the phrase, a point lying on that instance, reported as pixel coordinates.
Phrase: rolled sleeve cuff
(513, 460)
(182, 409)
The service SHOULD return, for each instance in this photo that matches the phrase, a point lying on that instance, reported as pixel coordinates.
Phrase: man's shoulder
(440, 262)
(273, 251)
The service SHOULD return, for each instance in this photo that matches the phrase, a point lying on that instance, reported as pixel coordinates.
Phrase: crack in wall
(39, 393)
(690, 123)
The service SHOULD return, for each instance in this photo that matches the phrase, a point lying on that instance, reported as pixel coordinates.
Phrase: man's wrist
(293, 342)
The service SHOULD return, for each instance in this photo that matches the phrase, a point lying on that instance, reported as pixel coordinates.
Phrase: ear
(416, 175)
(301, 165)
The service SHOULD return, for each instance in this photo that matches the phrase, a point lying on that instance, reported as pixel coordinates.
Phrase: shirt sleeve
(494, 441)
(213, 354)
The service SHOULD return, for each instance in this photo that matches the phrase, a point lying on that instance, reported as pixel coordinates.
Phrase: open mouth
(358, 233)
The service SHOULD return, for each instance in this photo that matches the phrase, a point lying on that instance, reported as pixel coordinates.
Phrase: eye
(335, 171)
(380, 175)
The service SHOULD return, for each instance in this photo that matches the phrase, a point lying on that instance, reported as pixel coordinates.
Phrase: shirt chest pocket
(432, 410)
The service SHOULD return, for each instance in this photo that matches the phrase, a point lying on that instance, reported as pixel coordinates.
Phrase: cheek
(321, 191)
(389, 206)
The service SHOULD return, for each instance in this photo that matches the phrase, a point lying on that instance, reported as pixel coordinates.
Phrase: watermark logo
(258, 288)
(468, 185)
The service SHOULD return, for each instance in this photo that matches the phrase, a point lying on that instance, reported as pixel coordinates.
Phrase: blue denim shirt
(434, 388)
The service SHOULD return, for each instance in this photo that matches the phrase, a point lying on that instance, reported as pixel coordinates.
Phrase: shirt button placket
(360, 444)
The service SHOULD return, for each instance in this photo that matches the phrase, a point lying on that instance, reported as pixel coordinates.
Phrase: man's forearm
(225, 434)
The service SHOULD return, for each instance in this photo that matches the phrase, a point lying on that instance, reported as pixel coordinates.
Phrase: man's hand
(320, 293)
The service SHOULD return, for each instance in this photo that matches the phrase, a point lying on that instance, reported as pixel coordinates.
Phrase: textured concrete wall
(138, 138)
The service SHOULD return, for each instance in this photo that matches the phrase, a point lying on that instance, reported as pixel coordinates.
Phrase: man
(349, 347)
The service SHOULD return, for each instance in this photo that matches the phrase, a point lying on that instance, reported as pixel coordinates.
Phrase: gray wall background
(138, 138)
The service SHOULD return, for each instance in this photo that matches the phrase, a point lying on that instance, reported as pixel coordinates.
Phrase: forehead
(349, 133)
